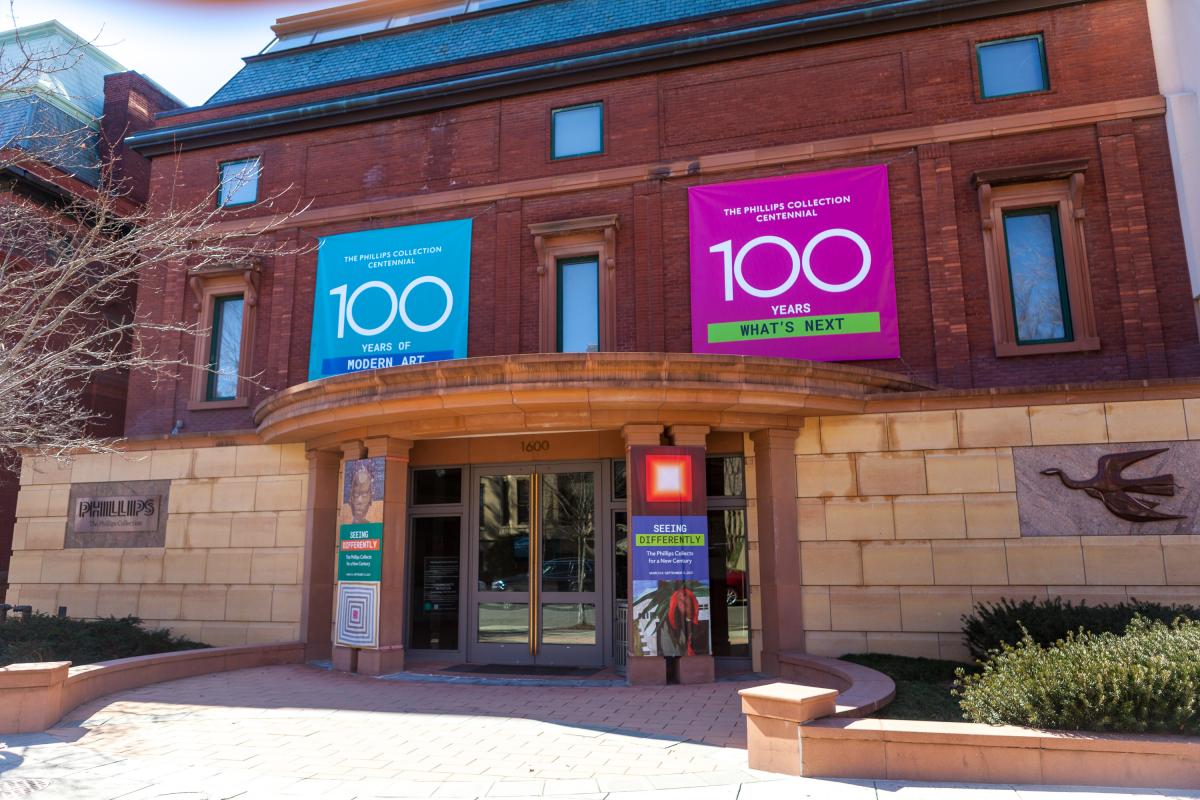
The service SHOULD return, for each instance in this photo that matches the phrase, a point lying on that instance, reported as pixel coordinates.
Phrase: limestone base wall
(230, 571)
(908, 516)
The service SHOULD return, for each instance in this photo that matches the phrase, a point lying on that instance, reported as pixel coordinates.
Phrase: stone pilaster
(1130, 228)
(779, 547)
(320, 545)
(946, 296)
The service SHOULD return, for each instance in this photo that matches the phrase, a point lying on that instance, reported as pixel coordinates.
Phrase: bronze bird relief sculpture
(1109, 487)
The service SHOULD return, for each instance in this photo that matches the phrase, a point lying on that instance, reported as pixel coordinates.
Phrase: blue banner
(670, 548)
(390, 298)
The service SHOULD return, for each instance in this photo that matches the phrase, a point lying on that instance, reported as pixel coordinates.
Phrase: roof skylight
(291, 41)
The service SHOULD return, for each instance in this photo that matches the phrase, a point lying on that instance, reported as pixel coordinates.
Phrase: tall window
(577, 284)
(435, 548)
(728, 570)
(225, 353)
(579, 305)
(239, 182)
(1036, 258)
(1037, 275)
(225, 299)
(577, 131)
(1012, 66)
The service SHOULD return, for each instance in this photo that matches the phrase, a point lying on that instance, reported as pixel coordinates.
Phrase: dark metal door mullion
(535, 566)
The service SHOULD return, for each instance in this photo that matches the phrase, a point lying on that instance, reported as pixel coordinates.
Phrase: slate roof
(459, 38)
(34, 124)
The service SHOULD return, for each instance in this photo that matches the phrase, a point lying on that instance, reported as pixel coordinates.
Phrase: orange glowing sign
(668, 478)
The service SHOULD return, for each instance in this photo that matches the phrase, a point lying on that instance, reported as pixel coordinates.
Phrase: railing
(621, 635)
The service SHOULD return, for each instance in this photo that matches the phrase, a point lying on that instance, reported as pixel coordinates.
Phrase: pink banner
(795, 267)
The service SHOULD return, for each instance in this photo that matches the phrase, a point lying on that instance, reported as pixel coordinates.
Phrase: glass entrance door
(536, 576)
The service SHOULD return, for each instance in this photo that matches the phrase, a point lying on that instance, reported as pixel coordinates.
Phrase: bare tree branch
(70, 269)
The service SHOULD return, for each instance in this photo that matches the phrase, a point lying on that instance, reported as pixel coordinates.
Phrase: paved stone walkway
(298, 732)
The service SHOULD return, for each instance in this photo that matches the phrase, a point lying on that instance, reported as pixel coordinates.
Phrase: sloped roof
(459, 38)
(33, 124)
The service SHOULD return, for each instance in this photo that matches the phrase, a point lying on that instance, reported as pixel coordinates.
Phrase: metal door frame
(496, 653)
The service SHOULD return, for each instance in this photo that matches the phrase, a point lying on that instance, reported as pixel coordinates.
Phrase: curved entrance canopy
(565, 392)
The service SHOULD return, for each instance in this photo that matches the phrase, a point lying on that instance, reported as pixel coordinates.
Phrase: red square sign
(668, 478)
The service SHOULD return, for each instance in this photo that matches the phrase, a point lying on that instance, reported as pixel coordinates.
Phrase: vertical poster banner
(795, 267)
(360, 551)
(669, 528)
(391, 297)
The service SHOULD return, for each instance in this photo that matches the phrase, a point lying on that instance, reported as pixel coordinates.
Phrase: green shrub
(1144, 681)
(46, 638)
(1047, 621)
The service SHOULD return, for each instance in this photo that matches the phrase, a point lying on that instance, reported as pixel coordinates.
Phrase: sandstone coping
(885, 749)
(808, 729)
(825, 687)
(861, 690)
(570, 391)
(35, 696)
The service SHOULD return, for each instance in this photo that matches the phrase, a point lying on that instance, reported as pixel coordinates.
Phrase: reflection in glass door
(535, 599)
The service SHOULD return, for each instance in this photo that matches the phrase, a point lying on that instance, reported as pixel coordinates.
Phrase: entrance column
(699, 668)
(389, 656)
(778, 544)
(345, 658)
(640, 670)
(373, 503)
(320, 544)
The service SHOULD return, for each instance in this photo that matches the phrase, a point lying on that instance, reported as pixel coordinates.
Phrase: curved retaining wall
(35, 696)
(807, 728)
(861, 690)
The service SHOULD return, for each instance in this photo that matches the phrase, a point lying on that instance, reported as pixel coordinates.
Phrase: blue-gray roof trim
(456, 39)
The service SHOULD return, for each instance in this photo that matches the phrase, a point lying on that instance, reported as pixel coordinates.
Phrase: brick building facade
(881, 497)
(88, 98)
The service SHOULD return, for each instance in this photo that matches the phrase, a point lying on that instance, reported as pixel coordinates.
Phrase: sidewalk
(298, 732)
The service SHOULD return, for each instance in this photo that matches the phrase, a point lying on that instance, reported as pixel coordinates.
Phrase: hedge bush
(1047, 621)
(46, 638)
(1144, 681)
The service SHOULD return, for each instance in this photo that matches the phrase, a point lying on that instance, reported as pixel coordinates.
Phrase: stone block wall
(907, 519)
(230, 572)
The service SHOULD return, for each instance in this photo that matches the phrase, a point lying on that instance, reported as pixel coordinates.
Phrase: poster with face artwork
(360, 533)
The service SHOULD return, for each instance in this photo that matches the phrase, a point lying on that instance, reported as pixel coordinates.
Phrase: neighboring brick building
(83, 103)
(1041, 298)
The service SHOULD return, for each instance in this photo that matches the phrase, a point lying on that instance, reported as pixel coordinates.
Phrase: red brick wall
(130, 103)
(1097, 52)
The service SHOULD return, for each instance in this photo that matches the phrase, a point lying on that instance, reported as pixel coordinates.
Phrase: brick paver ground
(297, 731)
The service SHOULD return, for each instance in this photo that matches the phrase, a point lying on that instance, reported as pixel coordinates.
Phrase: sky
(190, 47)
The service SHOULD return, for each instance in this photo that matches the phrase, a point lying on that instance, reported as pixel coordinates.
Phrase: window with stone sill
(224, 302)
(1036, 258)
(577, 280)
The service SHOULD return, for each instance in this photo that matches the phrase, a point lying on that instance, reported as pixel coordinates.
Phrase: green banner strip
(669, 540)
(793, 327)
